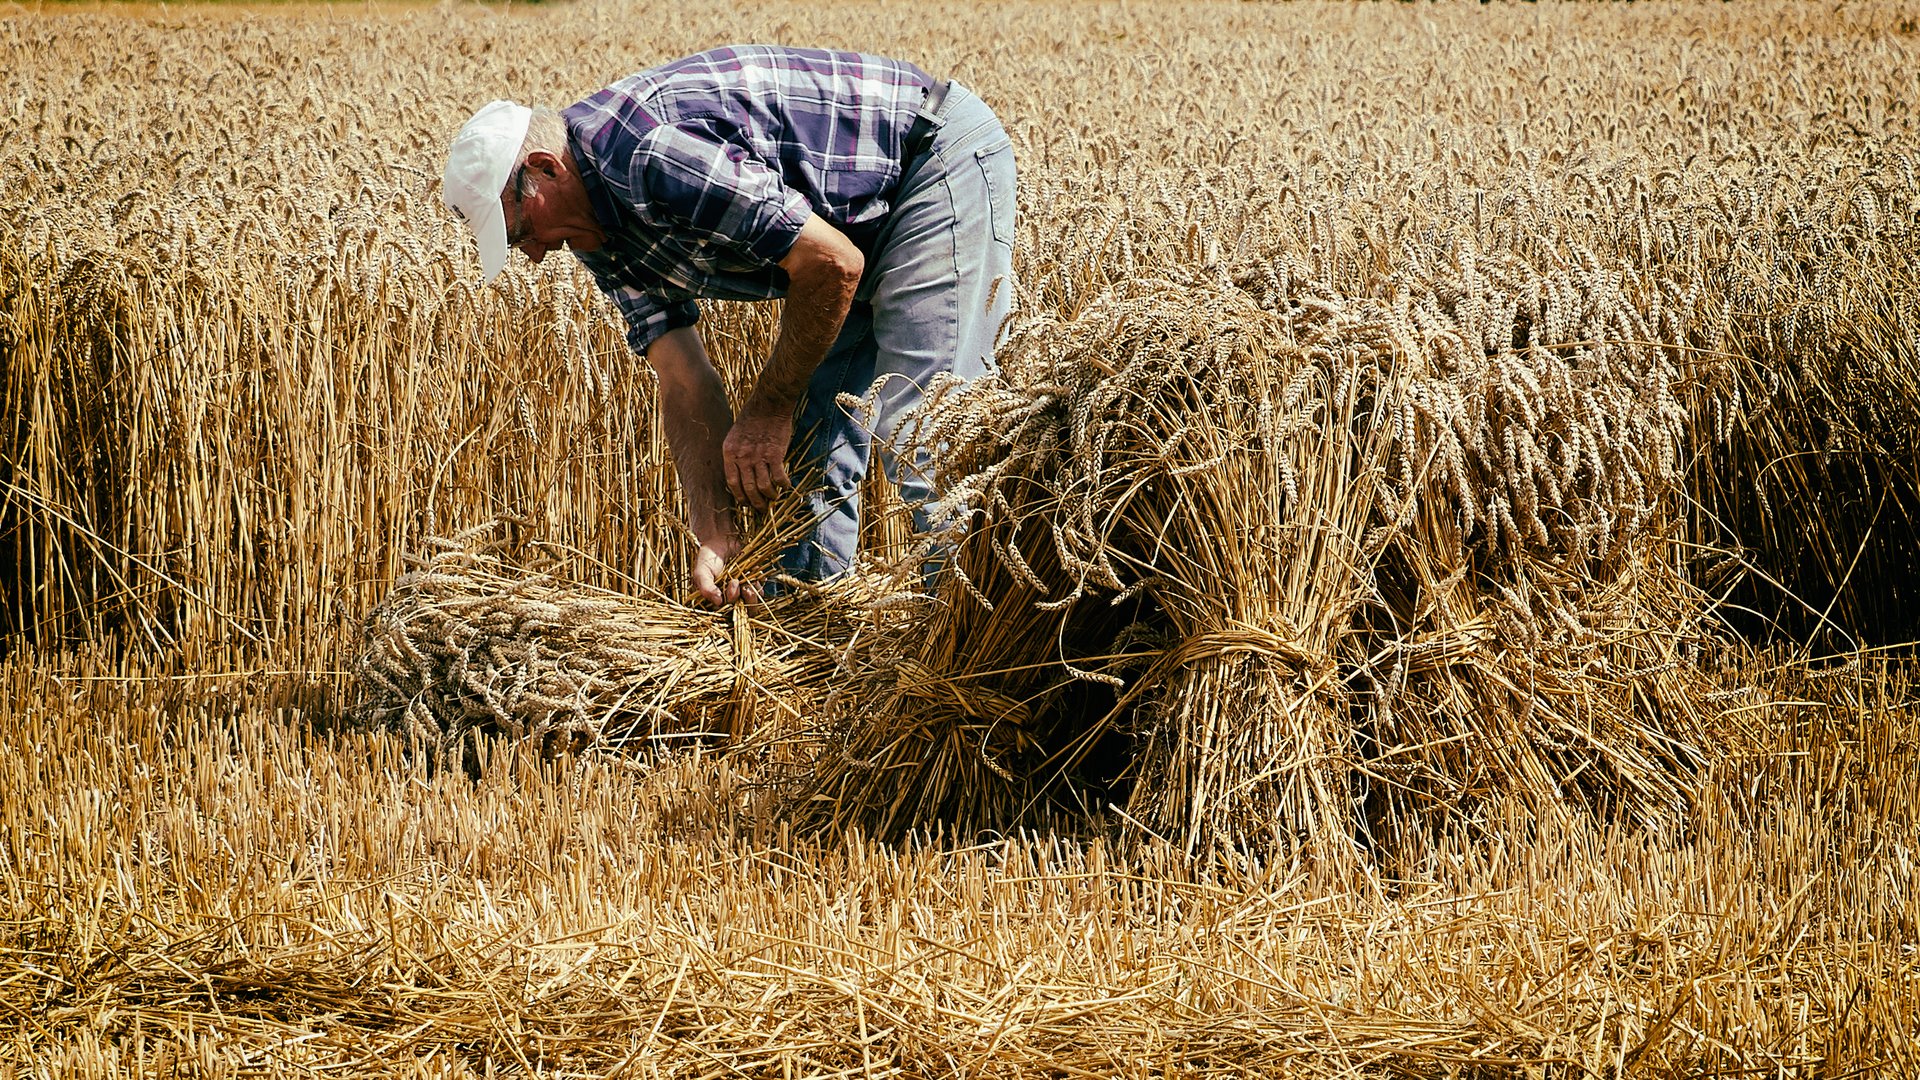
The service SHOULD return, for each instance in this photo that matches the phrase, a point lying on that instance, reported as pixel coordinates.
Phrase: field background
(249, 372)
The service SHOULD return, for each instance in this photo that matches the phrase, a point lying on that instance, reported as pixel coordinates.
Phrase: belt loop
(935, 100)
(919, 137)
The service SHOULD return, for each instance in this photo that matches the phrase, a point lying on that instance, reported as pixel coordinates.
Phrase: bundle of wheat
(1814, 483)
(63, 365)
(954, 719)
(470, 644)
(1400, 550)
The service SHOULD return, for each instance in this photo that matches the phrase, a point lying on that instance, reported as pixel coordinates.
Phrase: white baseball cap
(479, 163)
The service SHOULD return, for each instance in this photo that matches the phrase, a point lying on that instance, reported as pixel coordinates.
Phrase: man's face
(541, 217)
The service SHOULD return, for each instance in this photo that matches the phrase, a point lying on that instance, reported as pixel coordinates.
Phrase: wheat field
(1437, 601)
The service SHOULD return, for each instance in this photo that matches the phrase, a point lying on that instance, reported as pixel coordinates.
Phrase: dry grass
(199, 884)
(1338, 684)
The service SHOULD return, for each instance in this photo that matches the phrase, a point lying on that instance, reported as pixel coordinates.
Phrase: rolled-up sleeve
(717, 190)
(647, 316)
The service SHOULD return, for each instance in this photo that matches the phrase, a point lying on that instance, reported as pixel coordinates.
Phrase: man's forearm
(823, 271)
(695, 413)
(809, 323)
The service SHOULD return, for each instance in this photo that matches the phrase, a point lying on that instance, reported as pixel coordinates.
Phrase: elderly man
(877, 200)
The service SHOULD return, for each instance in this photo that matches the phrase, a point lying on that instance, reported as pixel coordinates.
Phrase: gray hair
(546, 130)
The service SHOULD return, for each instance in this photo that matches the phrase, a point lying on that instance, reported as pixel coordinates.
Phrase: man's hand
(755, 450)
(823, 270)
(723, 462)
(693, 405)
(710, 574)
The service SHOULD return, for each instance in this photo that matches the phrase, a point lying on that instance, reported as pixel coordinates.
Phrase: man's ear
(545, 163)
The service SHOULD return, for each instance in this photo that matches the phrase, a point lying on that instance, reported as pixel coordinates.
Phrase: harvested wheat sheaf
(471, 644)
(1301, 540)
(1380, 558)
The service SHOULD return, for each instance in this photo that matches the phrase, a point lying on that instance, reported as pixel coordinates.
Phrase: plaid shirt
(702, 170)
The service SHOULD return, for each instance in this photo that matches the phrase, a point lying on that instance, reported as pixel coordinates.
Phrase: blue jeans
(937, 288)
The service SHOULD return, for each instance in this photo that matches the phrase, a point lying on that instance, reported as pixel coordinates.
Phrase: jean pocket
(997, 172)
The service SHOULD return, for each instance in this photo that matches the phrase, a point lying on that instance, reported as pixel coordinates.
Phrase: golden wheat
(1401, 403)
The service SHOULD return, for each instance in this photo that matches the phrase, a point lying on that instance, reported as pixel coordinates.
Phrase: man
(877, 200)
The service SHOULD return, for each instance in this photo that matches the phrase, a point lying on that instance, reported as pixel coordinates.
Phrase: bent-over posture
(877, 200)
